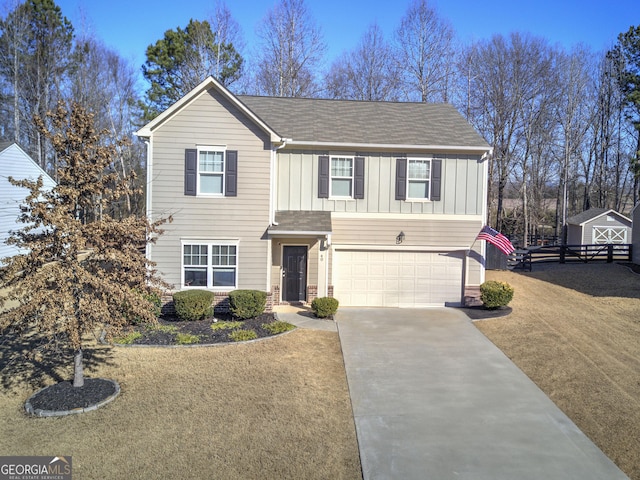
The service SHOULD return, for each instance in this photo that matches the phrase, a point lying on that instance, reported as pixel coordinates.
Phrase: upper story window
(211, 171)
(419, 179)
(341, 177)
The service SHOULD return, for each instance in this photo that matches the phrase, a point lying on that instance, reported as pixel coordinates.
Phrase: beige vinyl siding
(419, 232)
(212, 120)
(462, 184)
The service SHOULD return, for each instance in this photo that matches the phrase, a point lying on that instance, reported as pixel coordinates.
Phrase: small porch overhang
(301, 223)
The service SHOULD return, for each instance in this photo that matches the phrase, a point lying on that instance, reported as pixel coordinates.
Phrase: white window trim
(213, 148)
(209, 243)
(418, 159)
(352, 177)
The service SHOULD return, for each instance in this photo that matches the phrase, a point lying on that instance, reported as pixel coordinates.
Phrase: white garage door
(396, 279)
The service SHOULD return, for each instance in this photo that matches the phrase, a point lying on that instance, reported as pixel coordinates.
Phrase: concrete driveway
(433, 398)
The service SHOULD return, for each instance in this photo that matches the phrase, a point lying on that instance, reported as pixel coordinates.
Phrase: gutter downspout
(274, 180)
(148, 208)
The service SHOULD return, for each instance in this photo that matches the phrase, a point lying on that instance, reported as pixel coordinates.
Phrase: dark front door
(294, 263)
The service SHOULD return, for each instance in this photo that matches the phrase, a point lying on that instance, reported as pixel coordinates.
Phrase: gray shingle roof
(586, 216)
(357, 122)
(303, 221)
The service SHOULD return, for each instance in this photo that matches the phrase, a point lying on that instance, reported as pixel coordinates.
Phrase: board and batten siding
(462, 184)
(14, 162)
(211, 120)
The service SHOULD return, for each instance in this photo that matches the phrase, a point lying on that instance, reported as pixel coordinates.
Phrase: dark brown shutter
(436, 177)
(190, 171)
(358, 178)
(231, 174)
(323, 177)
(401, 179)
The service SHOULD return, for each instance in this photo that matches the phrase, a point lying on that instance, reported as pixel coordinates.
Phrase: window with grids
(419, 179)
(211, 171)
(210, 265)
(341, 177)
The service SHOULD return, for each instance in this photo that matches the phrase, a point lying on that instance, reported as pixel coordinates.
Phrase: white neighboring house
(14, 162)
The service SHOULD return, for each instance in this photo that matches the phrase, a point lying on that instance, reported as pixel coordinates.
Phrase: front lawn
(278, 408)
(575, 331)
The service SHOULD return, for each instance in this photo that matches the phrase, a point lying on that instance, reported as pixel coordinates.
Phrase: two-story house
(375, 203)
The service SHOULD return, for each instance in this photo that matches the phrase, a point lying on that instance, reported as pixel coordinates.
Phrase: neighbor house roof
(301, 222)
(313, 121)
(592, 214)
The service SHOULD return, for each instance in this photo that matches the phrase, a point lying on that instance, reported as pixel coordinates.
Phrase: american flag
(499, 240)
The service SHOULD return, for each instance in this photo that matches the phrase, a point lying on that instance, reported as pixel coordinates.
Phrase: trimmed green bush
(324, 307)
(193, 304)
(247, 303)
(495, 294)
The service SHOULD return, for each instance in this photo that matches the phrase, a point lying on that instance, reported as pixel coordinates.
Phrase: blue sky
(129, 26)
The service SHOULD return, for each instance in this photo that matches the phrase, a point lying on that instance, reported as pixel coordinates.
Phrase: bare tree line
(563, 131)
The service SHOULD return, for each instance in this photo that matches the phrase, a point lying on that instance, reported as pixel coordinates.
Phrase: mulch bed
(482, 313)
(202, 328)
(64, 396)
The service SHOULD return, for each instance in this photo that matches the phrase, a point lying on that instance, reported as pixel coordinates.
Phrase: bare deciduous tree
(291, 50)
(367, 73)
(424, 46)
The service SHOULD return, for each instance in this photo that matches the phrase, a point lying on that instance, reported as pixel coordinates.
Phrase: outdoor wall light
(400, 238)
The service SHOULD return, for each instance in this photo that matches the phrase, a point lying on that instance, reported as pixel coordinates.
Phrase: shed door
(602, 235)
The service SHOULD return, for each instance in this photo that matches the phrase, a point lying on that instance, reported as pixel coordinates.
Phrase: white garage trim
(396, 277)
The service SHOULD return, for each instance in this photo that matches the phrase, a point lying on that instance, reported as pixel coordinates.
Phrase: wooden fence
(523, 259)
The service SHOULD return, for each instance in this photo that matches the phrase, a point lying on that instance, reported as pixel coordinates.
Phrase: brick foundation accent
(472, 296)
(312, 293)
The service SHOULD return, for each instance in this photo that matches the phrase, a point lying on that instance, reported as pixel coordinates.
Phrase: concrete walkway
(435, 399)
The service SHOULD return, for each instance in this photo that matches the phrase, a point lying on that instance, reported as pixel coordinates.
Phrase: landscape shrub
(243, 335)
(186, 339)
(324, 307)
(277, 327)
(193, 305)
(153, 297)
(225, 325)
(495, 294)
(247, 303)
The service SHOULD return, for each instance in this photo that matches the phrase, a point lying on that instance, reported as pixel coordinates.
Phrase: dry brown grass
(575, 331)
(277, 408)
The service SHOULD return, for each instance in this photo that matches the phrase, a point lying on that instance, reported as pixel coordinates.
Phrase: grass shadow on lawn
(589, 278)
(33, 361)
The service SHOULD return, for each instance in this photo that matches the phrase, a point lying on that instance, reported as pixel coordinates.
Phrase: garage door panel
(396, 279)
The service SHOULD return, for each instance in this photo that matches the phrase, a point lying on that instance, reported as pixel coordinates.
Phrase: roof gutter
(393, 146)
